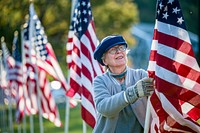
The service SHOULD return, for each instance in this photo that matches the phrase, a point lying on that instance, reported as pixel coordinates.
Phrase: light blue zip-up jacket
(110, 100)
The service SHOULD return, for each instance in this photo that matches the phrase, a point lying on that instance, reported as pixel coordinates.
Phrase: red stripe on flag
(175, 43)
(193, 113)
(88, 95)
(179, 68)
(177, 92)
(90, 39)
(153, 54)
(88, 117)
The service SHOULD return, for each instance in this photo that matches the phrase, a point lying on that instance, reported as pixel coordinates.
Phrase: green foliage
(114, 17)
(75, 121)
(110, 16)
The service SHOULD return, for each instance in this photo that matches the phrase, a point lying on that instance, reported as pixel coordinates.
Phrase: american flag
(20, 99)
(46, 58)
(14, 79)
(176, 100)
(82, 41)
(35, 52)
(29, 69)
(13, 71)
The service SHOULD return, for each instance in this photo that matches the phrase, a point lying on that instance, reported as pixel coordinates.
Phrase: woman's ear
(104, 62)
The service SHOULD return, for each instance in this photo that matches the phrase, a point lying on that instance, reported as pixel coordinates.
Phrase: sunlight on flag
(175, 104)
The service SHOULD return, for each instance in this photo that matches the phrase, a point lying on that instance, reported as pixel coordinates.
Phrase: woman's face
(115, 56)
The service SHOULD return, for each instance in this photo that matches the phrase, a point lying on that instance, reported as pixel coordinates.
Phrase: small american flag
(20, 99)
(15, 80)
(176, 101)
(82, 42)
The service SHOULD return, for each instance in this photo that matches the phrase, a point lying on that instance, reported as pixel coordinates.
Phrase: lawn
(75, 122)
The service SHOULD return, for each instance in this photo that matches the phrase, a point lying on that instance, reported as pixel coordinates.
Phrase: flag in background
(45, 55)
(14, 71)
(175, 104)
(38, 61)
(15, 48)
(20, 99)
(29, 68)
(14, 77)
(82, 41)
(3, 81)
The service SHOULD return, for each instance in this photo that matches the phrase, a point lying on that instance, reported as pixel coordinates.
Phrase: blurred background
(134, 19)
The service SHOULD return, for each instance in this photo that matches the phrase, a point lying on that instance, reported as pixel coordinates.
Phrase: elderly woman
(121, 92)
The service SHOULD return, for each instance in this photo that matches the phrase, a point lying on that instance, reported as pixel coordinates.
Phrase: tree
(110, 16)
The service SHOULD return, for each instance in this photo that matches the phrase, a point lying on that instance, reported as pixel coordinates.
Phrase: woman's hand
(143, 87)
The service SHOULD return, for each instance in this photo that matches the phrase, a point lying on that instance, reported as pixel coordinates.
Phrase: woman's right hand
(143, 87)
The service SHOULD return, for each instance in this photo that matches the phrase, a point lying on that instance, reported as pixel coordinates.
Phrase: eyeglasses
(114, 50)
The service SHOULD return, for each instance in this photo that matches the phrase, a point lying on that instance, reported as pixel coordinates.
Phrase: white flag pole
(19, 128)
(10, 113)
(67, 115)
(84, 127)
(3, 116)
(23, 70)
(147, 118)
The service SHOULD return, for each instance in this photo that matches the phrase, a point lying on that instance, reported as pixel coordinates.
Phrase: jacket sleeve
(106, 104)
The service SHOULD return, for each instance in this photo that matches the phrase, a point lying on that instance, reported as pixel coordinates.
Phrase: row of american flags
(24, 74)
(174, 104)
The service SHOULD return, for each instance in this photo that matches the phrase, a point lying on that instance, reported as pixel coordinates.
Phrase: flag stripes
(69, 48)
(49, 108)
(82, 42)
(166, 122)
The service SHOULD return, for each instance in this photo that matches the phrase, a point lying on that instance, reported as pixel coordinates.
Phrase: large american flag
(82, 41)
(176, 100)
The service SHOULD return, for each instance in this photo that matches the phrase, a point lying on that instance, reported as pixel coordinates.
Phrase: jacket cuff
(125, 97)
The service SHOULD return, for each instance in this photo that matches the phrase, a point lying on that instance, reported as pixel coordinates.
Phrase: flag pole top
(31, 1)
(26, 17)
(26, 22)
(16, 33)
(2, 39)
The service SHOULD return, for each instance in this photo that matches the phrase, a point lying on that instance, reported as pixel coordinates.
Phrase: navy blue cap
(107, 43)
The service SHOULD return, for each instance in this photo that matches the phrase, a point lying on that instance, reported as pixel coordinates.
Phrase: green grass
(75, 122)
